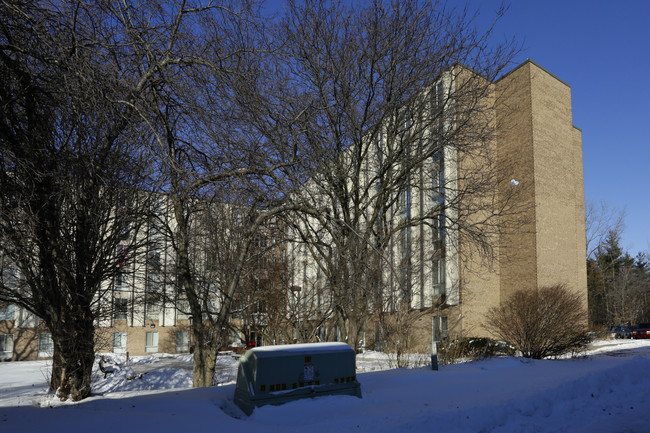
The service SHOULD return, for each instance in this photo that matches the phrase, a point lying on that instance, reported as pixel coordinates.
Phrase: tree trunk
(73, 359)
(205, 357)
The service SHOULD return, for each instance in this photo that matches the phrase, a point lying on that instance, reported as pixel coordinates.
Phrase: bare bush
(452, 351)
(549, 321)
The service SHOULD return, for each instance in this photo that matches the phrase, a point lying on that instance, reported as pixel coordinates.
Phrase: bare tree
(600, 221)
(626, 297)
(401, 335)
(223, 141)
(391, 113)
(71, 178)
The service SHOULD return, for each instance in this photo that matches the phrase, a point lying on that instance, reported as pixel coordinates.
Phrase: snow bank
(606, 391)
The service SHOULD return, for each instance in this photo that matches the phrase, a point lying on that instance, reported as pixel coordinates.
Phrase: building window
(438, 96)
(122, 254)
(119, 342)
(7, 311)
(122, 281)
(151, 342)
(182, 341)
(438, 276)
(439, 328)
(406, 202)
(154, 283)
(10, 276)
(183, 307)
(156, 231)
(6, 346)
(45, 346)
(153, 310)
(120, 307)
(154, 263)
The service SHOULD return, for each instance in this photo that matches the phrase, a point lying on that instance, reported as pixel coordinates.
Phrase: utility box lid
(278, 374)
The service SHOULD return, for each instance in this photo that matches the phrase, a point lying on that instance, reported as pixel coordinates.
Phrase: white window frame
(182, 341)
(153, 310)
(151, 342)
(6, 346)
(121, 338)
(45, 345)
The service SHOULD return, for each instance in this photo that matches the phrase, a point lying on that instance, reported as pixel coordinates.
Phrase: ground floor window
(151, 343)
(45, 346)
(6, 346)
(439, 328)
(119, 342)
(182, 341)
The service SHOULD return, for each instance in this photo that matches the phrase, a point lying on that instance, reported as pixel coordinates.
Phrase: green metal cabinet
(279, 374)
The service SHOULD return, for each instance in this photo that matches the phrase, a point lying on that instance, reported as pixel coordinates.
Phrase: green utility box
(279, 374)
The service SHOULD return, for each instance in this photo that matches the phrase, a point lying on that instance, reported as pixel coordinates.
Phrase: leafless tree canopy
(601, 220)
(377, 127)
(327, 119)
(70, 171)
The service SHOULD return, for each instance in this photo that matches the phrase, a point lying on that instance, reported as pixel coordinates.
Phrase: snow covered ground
(608, 390)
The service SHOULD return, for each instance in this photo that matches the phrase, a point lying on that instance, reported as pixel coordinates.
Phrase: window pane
(153, 311)
(183, 307)
(7, 311)
(439, 328)
(182, 341)
(120, 308)
(151, 342)
(122, 281)
(6, 346)
(119, 342)
(45, 346)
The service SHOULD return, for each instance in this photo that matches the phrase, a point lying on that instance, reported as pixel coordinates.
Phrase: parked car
(641, 331)
(619, 331)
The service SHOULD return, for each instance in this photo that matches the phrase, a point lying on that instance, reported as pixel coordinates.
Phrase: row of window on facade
(151, 341)
(153, 308)
(46, 345)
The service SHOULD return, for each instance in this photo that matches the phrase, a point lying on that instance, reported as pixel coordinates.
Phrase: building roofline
(538, 66)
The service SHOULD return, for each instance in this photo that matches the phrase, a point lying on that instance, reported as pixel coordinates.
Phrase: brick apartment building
(449, 286)
(535, 135)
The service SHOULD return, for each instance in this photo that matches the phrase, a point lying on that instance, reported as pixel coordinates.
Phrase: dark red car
(641, 331)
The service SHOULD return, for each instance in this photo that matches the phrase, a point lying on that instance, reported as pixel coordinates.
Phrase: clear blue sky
(602, 50)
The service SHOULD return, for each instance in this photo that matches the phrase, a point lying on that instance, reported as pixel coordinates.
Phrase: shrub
(549, 321)
(472, 348)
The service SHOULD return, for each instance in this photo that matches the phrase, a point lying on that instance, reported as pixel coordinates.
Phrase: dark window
(120, 308)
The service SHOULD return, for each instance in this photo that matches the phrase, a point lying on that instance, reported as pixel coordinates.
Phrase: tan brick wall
(581, 236)
(544, 243)
(555, 180)
(518, 244)
(136, 337)
(477, 168)
(25, 340)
